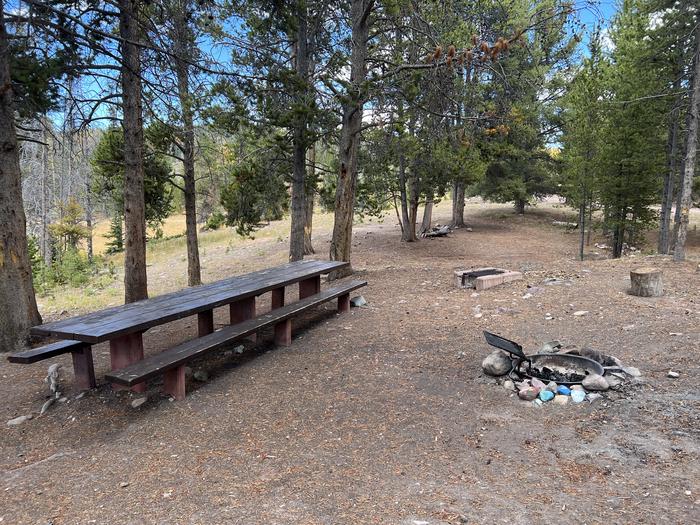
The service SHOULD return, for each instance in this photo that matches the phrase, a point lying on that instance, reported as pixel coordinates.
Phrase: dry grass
(167, 261)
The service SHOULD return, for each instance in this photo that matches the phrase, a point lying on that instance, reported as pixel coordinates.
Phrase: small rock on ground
(561, 399)
(496, 364)
(577, 396)
(19, 420)
(358, 301)
(631, 371)
(528, 393)
(673, 375)
(201, 375)
(138, 402)
(595, 382)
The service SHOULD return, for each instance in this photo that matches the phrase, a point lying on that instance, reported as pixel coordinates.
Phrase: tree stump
(646, 282)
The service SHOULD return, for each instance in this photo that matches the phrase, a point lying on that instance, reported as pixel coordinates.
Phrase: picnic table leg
(277, 297)
(283, 329)
(344, 303)
(205, 322)
(83, 369)
(283, 333)
(242, 311)
(174, 383)
(309, 287)
(125, 350)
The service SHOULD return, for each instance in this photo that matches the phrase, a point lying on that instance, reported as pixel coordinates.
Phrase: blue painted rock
(546, 395)
(577, 396)
(563, 390)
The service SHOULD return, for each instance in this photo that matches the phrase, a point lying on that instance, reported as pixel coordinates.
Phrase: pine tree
(632, 138)
(582, 117)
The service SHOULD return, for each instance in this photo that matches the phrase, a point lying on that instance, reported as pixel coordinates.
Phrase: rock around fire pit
(554, 374)
(483, 278)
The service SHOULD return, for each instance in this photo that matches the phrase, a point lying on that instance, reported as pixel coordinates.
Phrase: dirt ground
(383, 415)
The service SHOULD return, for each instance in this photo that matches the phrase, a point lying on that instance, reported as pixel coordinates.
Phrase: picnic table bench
(123, 326)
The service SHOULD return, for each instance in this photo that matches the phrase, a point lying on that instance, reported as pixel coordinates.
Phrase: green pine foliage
(632, 135)
(108, 168)
(115, 234)
(253, 195)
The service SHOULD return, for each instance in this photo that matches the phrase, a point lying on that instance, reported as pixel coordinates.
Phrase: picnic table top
(116, 321)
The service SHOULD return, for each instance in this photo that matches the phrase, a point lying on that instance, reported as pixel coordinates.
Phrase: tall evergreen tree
(582, 121)
(633, 145)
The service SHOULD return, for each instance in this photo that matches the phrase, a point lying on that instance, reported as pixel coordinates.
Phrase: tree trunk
(458, 205)
(296, 235)
(310, 193)
(182, 39)
(590, 218)
(427, 214)
(520, 206)
(17, 301)
(45, 200)
(669, 177)
(619, 233)
(413, 201)
(341, 242)
(691, 144)
(408, 233)
(88, 217)
(582, 226)
(135, 280)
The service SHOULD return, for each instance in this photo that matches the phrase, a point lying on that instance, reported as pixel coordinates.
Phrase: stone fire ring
(485, 278)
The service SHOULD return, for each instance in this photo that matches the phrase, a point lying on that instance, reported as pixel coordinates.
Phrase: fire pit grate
(481, 273)
(564, 369)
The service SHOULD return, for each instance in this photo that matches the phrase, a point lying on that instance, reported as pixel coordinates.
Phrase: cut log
(646, 282)
(437, 232)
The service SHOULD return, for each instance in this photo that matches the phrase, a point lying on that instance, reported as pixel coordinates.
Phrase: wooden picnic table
(123, 325)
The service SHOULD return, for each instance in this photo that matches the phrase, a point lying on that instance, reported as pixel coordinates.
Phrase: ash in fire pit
(483, 278)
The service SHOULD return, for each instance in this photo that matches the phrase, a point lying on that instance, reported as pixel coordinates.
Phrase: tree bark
(458, 205)
(669, 176)
(646, 282)
(590, 218)
(45, 200)
(17, 300)
(310, 192)
(582, 225)
(427, 214)
(408, 232)
(296, 235)
(88, 218)
(520, 206)
(691, 145)
(182, 43)
(341, 242)
(135, 280)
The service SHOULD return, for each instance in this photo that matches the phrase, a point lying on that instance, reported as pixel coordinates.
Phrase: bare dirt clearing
(384, 415)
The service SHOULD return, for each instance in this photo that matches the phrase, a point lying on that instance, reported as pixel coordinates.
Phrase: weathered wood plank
(200, 296)
(134, 317)
(46, 352)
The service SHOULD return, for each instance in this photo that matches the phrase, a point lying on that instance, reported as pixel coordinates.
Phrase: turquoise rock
(546, 395)
(563, 390)
(577, 396)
